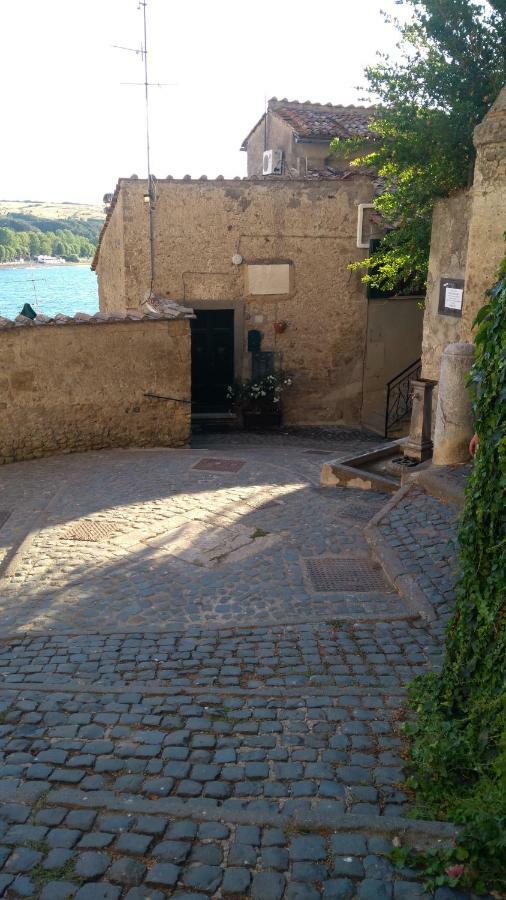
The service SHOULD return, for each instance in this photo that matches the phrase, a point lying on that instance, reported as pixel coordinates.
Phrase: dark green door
(212, 359)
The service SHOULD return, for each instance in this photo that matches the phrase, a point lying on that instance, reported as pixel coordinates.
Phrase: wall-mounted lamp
(280, 327)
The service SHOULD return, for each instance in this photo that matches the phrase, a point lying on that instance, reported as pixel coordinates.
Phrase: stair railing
(400, 395)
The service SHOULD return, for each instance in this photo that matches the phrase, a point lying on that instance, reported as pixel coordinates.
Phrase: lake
(64, 289)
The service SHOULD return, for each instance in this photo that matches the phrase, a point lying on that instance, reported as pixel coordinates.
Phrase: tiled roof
(320, 121)
(170, 310)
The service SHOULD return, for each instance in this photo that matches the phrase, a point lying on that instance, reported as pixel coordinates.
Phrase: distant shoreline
(36, 265)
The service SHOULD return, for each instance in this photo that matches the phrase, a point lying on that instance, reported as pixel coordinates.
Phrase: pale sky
(70, 129)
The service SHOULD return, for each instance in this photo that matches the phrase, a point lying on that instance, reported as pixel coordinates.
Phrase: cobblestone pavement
(423, 531)
(177, 725)
(180, 545)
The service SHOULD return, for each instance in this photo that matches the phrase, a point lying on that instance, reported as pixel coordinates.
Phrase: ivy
(458, 743)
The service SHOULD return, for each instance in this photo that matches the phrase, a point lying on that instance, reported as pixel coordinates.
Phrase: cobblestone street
(203, 675)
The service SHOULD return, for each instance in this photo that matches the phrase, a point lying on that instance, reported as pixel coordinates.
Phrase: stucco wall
(394, 341)
(200, 225)
(113, 254)
(448, 255)
(81, 387)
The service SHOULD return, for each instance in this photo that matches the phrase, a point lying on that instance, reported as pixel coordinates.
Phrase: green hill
(30, 228)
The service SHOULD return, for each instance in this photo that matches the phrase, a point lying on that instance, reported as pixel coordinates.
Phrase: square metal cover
(4, 515)
(213, 464)
(90, 530)
(360, 510)
(329, 575)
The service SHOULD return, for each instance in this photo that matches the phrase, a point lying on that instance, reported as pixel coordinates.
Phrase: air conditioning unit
(272, 162)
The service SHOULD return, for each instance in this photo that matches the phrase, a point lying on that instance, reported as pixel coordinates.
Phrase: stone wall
(74, 387)
(486, 245)
(468, 241)
(113, 254)
(309, 224)
(448, 256)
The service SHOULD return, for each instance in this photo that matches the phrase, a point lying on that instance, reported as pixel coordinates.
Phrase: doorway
(212, 359)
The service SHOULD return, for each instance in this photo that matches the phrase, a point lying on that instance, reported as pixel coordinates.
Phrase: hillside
(43, 210)
(30, 228)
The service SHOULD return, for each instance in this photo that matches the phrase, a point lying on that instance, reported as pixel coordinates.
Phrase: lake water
(49, 289)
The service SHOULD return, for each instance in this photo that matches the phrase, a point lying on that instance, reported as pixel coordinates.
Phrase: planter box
(261, 420)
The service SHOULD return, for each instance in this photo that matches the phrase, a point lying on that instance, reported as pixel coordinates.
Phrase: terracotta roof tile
(314, 120)
(319, 121)
(171, 310)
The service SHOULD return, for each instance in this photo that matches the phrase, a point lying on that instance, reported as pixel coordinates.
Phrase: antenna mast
(151, 196)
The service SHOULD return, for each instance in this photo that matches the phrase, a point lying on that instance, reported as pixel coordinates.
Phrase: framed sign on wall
(451, 296)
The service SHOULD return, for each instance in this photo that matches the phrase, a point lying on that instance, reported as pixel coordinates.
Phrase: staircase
(399, 401)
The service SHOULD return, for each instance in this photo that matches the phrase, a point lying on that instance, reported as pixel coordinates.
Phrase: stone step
(66, 845)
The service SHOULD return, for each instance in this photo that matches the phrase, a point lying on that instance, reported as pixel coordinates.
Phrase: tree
(452, 66)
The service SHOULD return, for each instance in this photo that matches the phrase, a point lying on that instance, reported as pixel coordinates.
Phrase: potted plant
(259, 400)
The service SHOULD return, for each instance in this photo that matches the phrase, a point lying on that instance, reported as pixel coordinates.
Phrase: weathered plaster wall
(448, 255)
(200, 225)
(394, 341)
(81, 387)
(112, 251)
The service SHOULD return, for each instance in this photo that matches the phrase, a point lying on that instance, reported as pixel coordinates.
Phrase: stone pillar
(419, 445)
(454, 418)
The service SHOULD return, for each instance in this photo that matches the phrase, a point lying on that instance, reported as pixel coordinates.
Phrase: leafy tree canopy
(451, 65)
(26, 236)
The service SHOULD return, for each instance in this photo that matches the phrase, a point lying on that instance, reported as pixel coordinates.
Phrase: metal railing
(399, 394)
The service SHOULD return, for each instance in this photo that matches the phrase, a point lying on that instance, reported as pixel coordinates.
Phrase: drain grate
(4, 515)
(360, 511)
(327, 575)
(90, 530)
(213, 464)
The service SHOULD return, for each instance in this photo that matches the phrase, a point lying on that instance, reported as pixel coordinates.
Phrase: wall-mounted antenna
(150, 197)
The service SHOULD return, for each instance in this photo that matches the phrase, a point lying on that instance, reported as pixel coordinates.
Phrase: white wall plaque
(266, 279)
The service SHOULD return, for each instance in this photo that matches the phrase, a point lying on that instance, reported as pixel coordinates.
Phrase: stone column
(419, 445)
(454, 418)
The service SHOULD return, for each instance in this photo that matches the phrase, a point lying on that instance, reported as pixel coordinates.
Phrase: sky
(70, 128)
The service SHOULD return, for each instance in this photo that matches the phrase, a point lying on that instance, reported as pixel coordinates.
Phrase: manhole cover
(90, 530)
(327, 574)
(212, 464)
(4, 515)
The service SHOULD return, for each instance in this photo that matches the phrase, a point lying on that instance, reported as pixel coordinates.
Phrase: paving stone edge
(392, 564)
(209, 810)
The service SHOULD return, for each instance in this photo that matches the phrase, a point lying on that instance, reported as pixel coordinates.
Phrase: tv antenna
(34, 281)
(150, 197)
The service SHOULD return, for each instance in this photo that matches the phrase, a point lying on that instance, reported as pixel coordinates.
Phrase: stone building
(467, 244)
(264, 264)
(303, 132)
